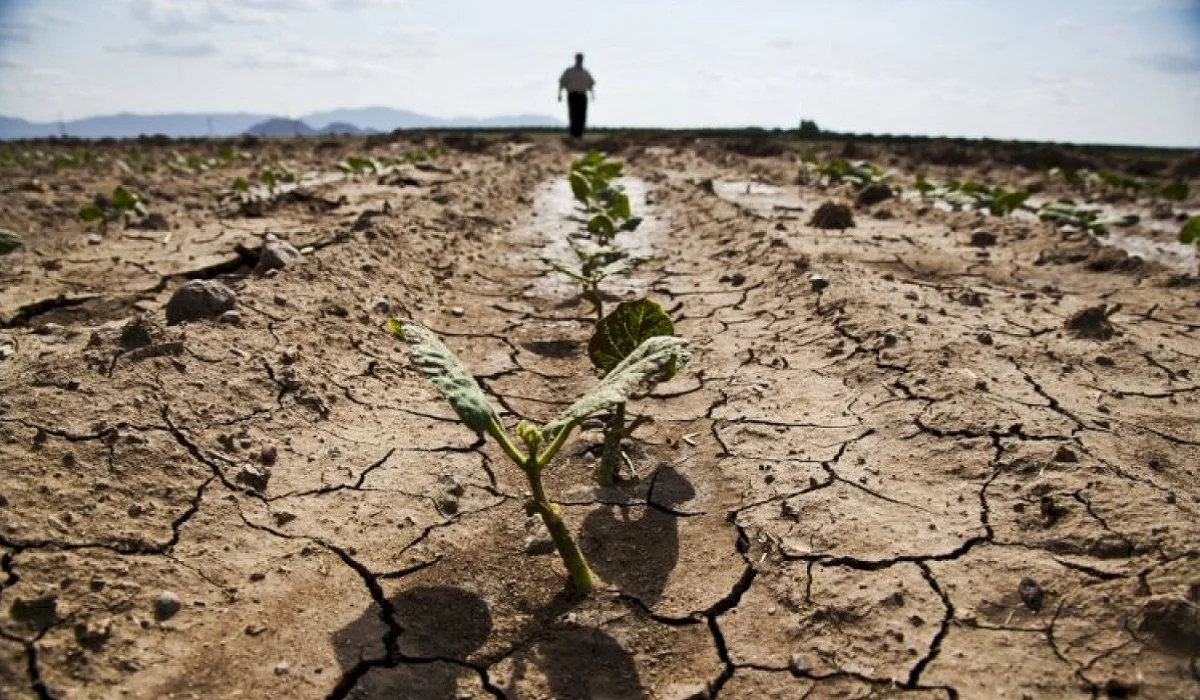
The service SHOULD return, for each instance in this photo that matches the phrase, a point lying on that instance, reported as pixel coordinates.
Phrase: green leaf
(602, 224)
(610, 170)
(565, 269)
(436, 363)
(621, 332)
(1190, 233)
(620, 205)
(240, 185)
(124, 200)
(9, 241)
(91, 213)
(656, 360)
(580, 187)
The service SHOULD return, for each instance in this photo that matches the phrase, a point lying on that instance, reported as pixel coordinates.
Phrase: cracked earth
(916, 482)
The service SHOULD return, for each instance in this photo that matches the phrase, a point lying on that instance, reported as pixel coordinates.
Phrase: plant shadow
(638, 555)
(442, 626)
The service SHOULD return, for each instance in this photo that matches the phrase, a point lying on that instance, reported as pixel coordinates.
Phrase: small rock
(254, 477)
(1064, 454)
(231, 317)
(538, 542)
(275, 254)
(281, 299)
(1031, 594)
(289, 355)
(257, 576)
(458, 311)
(73, 384)
(282, 668)
(922, 318)
(381, 306)
(268, 454)
(283, 517)
(983, 239)
(736, 279)
(447, 505)
(451, 485)
(873, 193)
(985, 338)
(199, 299)
(796, 665)
(166, 604)
(254, 629)
(817, 282)
(1104, 361)
(93, 239)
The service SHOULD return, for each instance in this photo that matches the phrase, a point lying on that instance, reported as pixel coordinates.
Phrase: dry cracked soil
(911, 476)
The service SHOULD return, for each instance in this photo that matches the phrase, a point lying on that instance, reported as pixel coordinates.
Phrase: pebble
(93, 239)
(381, 306)
(983, 239)
(818, 282)
(275, 254)
(233, 318)
(458, 311)
(166, 604)
(1031, 594)
(268, 454)
(282, 668)
(199, 299)
(281, 299)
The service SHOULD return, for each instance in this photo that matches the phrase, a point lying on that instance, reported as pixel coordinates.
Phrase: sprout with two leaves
(653, 361)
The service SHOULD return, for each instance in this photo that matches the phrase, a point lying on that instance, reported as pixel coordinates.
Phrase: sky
(1097, 71)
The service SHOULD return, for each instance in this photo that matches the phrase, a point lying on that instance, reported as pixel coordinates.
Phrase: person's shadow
(638, 555)
(442, 625)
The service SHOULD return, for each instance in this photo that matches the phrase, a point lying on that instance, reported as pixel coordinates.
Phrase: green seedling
(834, 171)
(361, 165)
(1189, 233)
(616, 337)
(605, 202)
(9, 241)
(121, 206)
(654, 361)
(596, 264)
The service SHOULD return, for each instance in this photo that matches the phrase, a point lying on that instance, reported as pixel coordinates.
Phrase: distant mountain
(277, 126)
(363, 120)
(343, 129)
(389, 119)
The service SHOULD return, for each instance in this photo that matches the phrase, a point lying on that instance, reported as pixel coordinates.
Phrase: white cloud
(162, 49)
(179, 16)
(288, 56)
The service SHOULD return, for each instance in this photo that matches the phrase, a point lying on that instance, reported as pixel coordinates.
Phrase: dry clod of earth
(275, 254)
(832, 215)
(1092, 323)
(923, 482)
(872, 194)
(983, 239)
(199, 299)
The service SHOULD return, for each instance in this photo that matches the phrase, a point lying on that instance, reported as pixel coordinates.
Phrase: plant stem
(581, 573)
(610, 458)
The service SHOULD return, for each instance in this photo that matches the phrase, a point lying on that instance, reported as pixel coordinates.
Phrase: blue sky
(1116, 71)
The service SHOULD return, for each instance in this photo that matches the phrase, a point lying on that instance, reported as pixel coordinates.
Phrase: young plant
(121, 206)
(1190, 233)
(9, 241)
(654, 361)
(597, 263)
(605, 202)
(362, 165)
(616, 337)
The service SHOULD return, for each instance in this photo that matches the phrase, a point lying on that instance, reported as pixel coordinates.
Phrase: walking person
(578, 83)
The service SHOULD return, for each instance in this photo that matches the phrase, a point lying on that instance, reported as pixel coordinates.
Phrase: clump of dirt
(1092, 323)
(198, 300)
(832, 215)
(873, 193)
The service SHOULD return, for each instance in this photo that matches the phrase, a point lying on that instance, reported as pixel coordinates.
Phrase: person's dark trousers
(577, 109)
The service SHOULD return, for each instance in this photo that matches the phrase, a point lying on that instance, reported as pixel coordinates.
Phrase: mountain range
(339, 121)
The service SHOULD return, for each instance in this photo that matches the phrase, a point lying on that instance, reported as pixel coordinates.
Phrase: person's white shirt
(576, 79)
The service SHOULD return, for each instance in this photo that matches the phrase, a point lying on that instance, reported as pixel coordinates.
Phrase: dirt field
(910, 477)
